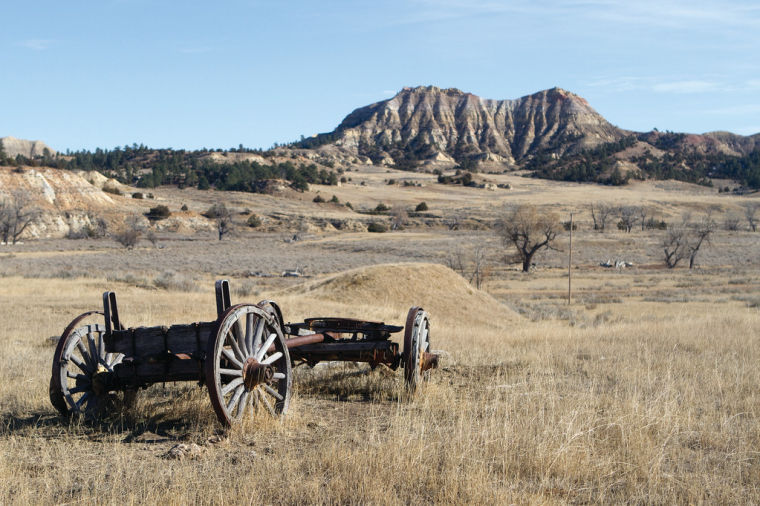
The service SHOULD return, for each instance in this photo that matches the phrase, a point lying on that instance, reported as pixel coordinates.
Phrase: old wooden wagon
(245, 357)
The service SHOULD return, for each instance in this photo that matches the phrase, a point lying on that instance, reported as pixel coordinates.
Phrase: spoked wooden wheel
(80, 367)
(247, 365)
(416, 346)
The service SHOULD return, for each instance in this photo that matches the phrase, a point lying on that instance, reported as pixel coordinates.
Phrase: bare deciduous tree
(453, 221)
(700, 234)
(731, 222)
(686, 240)
(16, 214)
(528, 230)
(455, 260)
(600, 213)
(129, 235)
(399, 218)
(643, 213)
(674, 246)
(750, 212)
(223, 225)
(473, 266)
(479, 268)
(219, 213)
(629, 215)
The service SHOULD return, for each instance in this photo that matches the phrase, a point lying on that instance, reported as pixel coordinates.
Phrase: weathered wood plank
(143, 342)
(144, 372)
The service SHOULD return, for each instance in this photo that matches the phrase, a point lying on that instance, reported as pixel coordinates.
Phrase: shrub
(112, 189)
(183, 208)
(377, 227)
(391, 181)
(334, 200)
(138, 195)
(566, 225)
(343, 179)
(127, 238)
(318, 199)
(652, 224)
(381, 208)
(216, 211)
(174, 281)
(422, 206)
(349, 205)
(160, 212)
(253, 221)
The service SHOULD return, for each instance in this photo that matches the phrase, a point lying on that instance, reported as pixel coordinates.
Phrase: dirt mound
(438, 289)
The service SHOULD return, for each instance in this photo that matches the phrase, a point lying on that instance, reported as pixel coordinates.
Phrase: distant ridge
(427, 124)
(431, 123)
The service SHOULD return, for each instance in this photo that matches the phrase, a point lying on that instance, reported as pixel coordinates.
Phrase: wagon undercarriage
(245, 357)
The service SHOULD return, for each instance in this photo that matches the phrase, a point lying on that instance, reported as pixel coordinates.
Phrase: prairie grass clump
(173, 281)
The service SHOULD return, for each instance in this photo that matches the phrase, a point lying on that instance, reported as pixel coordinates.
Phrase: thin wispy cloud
(674, 86)
(686, 87)
(35, 44)
(675, 14)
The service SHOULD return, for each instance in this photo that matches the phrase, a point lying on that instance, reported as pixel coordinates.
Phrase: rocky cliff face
(29, 149)
(430, 123)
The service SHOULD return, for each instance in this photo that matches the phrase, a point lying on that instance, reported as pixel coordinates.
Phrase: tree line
(147, 168)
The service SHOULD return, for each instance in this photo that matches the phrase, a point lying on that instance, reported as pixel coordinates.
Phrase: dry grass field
(643, 390)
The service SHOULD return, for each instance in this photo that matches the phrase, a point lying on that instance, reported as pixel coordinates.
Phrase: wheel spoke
(242, 404)
(249, 319)
(235, 398)
(239, 335)
(230, 372)
(78, 390)
(93, 350)
(265, 402)
(78, 377)
(272, 358)
(102, 348)
(259, 332)
(279, 376)
(78, 404)
(271, 391)
(229, 356)
(232, 384)
(85, 354)
(265, 347)
(235, 346)
(83, 366)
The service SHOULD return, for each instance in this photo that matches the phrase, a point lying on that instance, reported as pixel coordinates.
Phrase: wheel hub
(255, 373)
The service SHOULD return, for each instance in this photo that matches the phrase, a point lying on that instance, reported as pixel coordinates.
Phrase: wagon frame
(245, 357)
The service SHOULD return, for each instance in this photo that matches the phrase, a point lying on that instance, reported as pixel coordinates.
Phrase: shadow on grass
(350, 383)
(159, 415)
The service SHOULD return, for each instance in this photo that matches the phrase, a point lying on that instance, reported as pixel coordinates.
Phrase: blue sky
(190, 74)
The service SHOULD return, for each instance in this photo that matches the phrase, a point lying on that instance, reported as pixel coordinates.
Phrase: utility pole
(570, 263)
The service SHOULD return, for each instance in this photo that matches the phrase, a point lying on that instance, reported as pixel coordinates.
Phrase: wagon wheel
(416, 344)
(79, 364)
(248, 365)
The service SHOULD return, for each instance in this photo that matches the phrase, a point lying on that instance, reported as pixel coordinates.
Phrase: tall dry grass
(658, 405)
